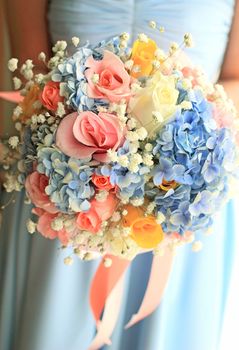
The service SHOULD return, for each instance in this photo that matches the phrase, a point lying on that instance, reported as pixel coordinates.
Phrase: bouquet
(123, 150)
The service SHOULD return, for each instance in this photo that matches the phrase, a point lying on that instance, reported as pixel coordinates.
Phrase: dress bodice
(209, 22)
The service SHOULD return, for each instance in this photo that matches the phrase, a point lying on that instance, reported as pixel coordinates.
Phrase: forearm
(27, 24)
(231, 86)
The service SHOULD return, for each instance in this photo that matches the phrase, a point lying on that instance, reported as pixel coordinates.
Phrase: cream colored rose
(155, 104)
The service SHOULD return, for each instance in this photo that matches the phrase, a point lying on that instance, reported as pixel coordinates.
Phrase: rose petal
(66, 141)
(113, 67)
(44, 225)
(106, 208)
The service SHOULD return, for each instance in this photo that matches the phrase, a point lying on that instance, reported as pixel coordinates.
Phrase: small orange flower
(167, 185)
(133, 214)
(102, 182)
(143, 54)
(144, 229)
(27, 105)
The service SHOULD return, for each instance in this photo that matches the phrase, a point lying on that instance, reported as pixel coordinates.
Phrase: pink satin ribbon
(11, 96)
(106, 294)
(106, 326)
(112, 297)
(160, 271)
(103, 283)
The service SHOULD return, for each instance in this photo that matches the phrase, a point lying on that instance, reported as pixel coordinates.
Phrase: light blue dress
(44, 304)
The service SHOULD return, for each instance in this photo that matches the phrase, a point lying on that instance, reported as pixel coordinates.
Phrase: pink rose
(114, 81)
(63, 237)
(35, 186)
(44, 225)
(99, 212)
(88, 134)
(50, 96)
(45, 229)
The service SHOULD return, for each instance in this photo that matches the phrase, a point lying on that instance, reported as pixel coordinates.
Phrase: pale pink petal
(89, 221)
(114, 80)
(63, 237)
(66, 141)
(79, 128)
(106, 208)
(101, 157)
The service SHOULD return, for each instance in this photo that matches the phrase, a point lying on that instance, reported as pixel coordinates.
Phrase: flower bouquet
(123, 151)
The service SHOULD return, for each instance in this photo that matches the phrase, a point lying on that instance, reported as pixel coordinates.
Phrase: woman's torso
(209, 22)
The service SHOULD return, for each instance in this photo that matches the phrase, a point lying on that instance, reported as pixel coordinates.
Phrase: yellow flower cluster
(144, 229)
(143, 55)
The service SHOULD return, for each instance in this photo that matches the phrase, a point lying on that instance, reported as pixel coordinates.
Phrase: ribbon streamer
(106, 292)
(11, 96)
(111, 312)
(103, 283)
(159, 275)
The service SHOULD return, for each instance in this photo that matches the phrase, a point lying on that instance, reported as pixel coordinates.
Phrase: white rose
(155, 104)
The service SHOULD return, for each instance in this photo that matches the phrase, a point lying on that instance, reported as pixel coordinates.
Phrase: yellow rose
(27, 105)
(143, 54)
(144, 229)
(155, 104)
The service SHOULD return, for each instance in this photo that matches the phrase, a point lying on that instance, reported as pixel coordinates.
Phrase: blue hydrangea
(43, 136)
(31, 141)
(113, 45)
(131, 185)
(71, 72)
(194, 153)
(69, 180)
(163, 171)
(28, 153)
(181, 218)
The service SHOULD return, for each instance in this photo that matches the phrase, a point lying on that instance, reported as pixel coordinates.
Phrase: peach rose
(143, 55)
(113, 80)
(50, 96)
(102, 182)
(27, 104)
(35, 186)
(99, 211)
(144, 229)
(87, 135)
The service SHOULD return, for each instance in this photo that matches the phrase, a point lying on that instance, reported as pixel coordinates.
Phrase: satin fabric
(44, 304)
